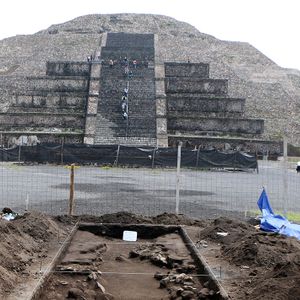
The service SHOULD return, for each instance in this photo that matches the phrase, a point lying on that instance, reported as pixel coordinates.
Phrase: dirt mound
(37, 225)
(173, 219)
(124, 218)
(243, 244)
(119, 217)
(280, 282)
(130, 218)
(274, 289)
(21, 241)
(234, 229)
(272, 260)
(262, 249)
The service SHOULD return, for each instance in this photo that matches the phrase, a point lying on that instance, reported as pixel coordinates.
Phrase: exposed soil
(249, 263)
(256, 264)
(101, 267)
(130, 218)
(27, 244)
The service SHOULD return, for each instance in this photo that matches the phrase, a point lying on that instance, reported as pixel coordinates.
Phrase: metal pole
(153, 157)
(117, 158)
(285, 181)
(127, 108)
(198, 153)
(2, 148)
(27, 202)
(178, 177)
(62, 151)
(19, 153)
(71, 198)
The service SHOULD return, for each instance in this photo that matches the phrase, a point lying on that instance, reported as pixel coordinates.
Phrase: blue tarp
(275, 223)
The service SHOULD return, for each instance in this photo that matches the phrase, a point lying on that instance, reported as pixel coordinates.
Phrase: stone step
(116, 95)
(140, 65)
(136, 105)
(134, 141)
(133, 122)
(136, 86)
(131, 77)
(134, 74)
(136, 112)
(121, 123)
(133, 131)
(141, 95)
(131, 53)
(136, 96)
(129, 39)
(124, 132)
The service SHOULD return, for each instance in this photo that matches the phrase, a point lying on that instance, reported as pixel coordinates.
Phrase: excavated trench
(97, 263)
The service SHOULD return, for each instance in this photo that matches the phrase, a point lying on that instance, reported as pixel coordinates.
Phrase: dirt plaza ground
(100, 190)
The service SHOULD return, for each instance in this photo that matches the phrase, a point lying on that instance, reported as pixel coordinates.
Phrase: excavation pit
(97, 263)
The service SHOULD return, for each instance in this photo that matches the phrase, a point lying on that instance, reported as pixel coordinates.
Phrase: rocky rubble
(180, 279)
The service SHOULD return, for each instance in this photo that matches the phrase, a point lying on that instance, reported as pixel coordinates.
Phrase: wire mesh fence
(100, 189)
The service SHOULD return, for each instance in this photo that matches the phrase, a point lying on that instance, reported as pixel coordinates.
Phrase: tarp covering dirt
(128, 156)
(275, 223)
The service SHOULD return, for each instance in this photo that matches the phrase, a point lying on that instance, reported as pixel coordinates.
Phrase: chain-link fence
(106, 188)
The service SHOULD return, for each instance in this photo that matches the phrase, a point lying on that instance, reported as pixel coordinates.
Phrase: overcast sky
(272, 26)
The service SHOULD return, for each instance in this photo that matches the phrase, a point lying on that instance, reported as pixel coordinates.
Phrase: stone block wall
(58, 84)
(67, 68)
(31, 121)
(49, 105)
(50, 102)
(200, 106)
(192, 106)
(198, 70)
(252, 146)
(195, 85)
(215, 125)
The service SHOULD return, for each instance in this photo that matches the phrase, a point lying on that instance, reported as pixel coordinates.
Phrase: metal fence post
(285, 181)
(117, 158)
(153, 158)
(71, 198)
(178, 177)
(62, 151)
(198, 153)
(19, 153)
(2, 148)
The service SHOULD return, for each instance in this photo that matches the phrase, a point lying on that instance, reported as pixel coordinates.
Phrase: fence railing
(106, 188)
(118, 155)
